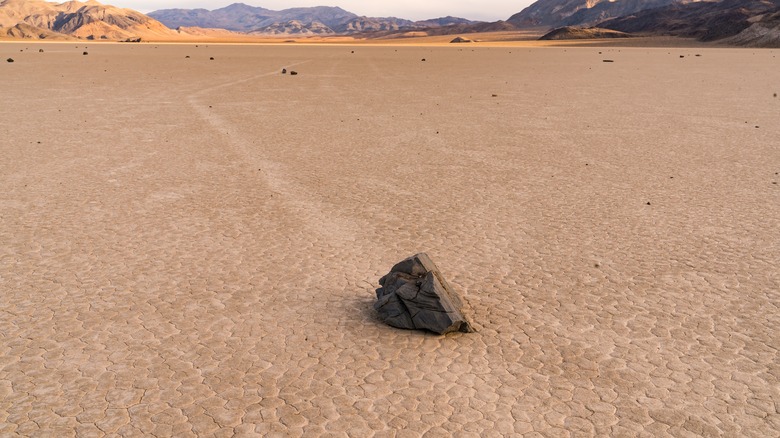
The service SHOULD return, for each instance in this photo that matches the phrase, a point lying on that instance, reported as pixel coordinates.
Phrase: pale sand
(193, 246)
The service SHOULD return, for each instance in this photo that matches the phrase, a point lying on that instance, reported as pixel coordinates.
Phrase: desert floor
(191, 246)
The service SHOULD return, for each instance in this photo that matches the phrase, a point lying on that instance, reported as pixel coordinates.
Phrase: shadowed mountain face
(557, 13)
(706, 21)
(762, 33)
(91, 20)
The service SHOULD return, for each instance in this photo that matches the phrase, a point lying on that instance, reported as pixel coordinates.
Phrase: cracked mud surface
(192, 248)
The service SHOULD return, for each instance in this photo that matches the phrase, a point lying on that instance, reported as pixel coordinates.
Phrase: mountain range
(323, 20)
(738, 22)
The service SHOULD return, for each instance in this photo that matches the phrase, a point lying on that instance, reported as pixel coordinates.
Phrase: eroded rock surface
(415, 295)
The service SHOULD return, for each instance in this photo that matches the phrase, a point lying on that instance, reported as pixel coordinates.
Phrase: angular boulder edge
(415, 295)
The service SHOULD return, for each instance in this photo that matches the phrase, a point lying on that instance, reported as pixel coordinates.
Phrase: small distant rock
(423, 60)
(10, 60)
(40, 50)
(607, 60)
(85, 53)
(293, 73)
(415, 295)
(186, 57)
(211, 58)
(133, 40)
(461, 40)
(284, 71)
(682, 56)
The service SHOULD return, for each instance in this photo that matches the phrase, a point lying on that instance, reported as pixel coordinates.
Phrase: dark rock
(284, 71)
(10, 60)
(293, 73)
(423, 59)
(461, 40)
(211, 58)
(85, 53)
(415, 295)
(607, 60)
(40, 50)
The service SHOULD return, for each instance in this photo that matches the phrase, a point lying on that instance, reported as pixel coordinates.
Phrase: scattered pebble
(211, 58)
(40, 50)
(648, 203)
(10, 60)
(607, 60)
(774, 95)
(495, 95)
(423, 59)
(187, 56)
(698, 54)
(85, 53)
(284, 71)
(682, 56)
(293, 73)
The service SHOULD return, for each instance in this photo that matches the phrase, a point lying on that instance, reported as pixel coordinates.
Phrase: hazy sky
(488, 10)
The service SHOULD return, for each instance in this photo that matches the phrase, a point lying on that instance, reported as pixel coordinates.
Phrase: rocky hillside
(91, 20)
(295, 27)
(706, 21)
(763, 32)
(559, 13)
(578, 33)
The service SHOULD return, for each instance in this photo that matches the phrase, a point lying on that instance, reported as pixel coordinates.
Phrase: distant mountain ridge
(240, 17)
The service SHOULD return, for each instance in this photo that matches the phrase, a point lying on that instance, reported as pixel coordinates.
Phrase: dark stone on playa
(85, 53)
(211, 58)
(415, 295)
(40, 50)
(293, 73)
(10, 60)
(608, 60)
(284, 71)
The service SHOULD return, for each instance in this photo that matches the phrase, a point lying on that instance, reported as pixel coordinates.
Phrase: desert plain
(190, 246)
